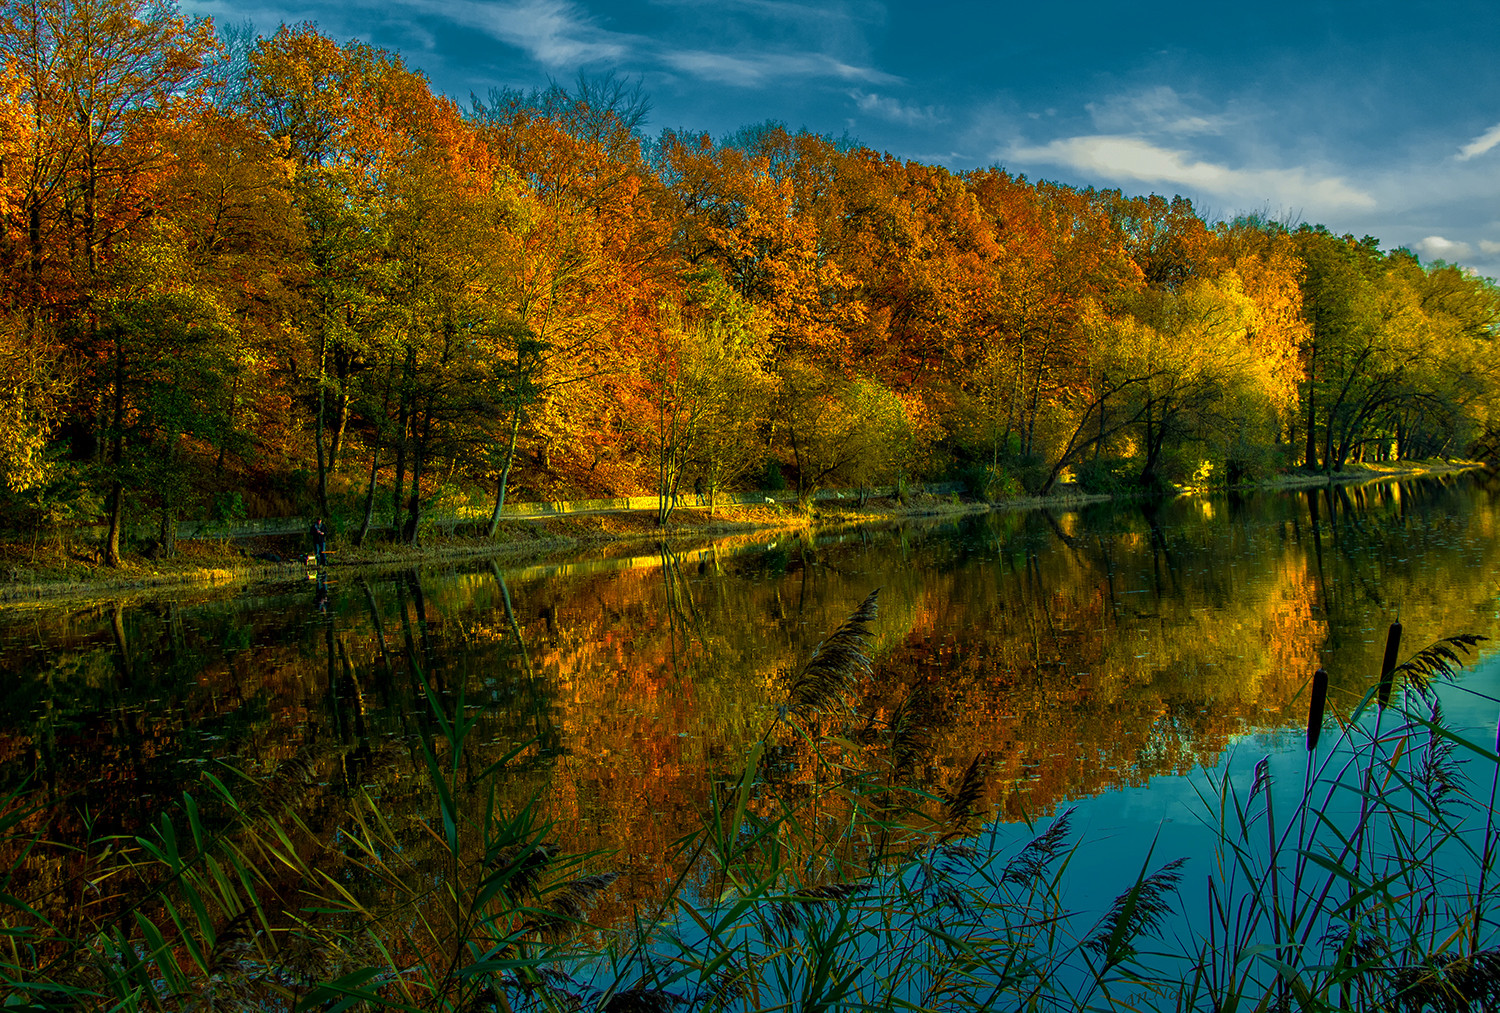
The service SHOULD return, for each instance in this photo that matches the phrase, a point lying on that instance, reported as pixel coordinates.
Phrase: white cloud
(895, 110)
(1489, 247)
(1152, 110)
(1479, 145)
(1438, 248)
(1135, 159)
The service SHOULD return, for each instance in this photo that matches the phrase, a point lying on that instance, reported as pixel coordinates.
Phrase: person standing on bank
(319, 539)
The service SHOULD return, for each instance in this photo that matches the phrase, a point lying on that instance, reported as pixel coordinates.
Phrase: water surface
(1097, 652)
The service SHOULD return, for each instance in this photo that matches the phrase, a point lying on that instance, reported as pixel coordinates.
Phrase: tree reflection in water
(1076, 651)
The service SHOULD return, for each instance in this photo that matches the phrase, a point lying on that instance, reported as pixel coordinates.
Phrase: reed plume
(837, 663)
(943, 876)
(790, 909)
(285, 788)
(1032, 862)
(1446, 982)
(567, 906)
(908, 739)
(643, 1000)
(1262, 780)
(524, 867)
(1442, 660)
(1438, 773)
(231, 944)
(1136, 912)
(1477, 978)
(964, 800)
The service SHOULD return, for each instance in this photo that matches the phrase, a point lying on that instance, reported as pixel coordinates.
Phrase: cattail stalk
(1489, 840)
(1315, 710)
(1356, 843)
(1263, 776)
(1387, 677)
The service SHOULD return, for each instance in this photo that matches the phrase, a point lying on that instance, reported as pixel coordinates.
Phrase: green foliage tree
(1199, 380)
(709, 389)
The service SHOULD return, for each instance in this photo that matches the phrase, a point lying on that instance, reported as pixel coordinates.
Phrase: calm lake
(1099, 653)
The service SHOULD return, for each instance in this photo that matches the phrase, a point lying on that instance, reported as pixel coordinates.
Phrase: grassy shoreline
(56, 574)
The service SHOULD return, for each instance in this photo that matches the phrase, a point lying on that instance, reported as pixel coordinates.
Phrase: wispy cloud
(1479, 145)
(819, 13)
(893, 109)
(1489, 247)
(1126, 158)
(1156, 110)
(564, 34)
(753, 69)
(555, 33)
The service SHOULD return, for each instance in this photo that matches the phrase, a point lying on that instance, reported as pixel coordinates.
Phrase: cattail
(1315, 711)
(1388, 668)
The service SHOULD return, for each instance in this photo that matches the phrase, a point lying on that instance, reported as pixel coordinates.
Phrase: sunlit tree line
(263, 275)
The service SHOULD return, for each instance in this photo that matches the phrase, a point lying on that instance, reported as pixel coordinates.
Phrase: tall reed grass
(832, 882)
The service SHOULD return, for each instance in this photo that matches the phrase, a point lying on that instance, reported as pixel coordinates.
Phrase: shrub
(1101, 475)
(771, 478)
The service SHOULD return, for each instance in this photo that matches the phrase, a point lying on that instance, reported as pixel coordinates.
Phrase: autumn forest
(260, 276)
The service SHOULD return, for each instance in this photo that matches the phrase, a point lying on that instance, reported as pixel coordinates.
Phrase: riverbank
(53, 571)
(1354, 474)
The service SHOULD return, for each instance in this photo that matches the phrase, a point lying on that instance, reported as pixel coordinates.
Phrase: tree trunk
(117, 457)
(419, 453)
(663, 472)
(167, 532)
(234, 400)
(403, 418)
(1328, 441)
(116, 517)
(365, 525)
(341, 412)
(510, 456)
(322, 419)
(796, 460)
(1150, 465)
(1310, 459)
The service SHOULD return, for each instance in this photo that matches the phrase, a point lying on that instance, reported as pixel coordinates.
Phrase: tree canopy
(286, 273)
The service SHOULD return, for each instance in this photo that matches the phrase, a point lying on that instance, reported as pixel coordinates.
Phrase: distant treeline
(278, 274)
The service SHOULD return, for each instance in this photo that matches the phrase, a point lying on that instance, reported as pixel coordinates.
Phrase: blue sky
(1371, 117)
